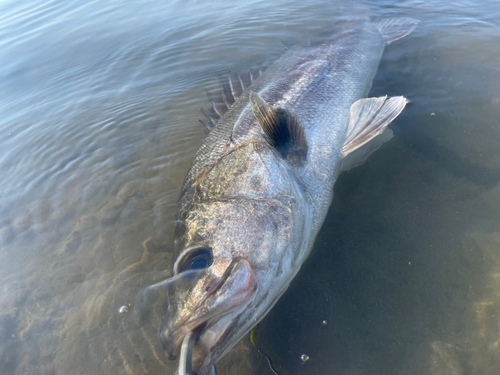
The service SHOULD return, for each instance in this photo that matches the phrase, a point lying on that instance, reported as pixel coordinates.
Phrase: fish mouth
(214, 310)
(209, 335)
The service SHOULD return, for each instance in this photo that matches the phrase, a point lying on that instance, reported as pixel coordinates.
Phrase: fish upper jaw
(209, 314)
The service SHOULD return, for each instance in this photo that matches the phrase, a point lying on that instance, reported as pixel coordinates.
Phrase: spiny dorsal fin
(232, 86)
(393, 29)
(369, 118)
(282, 128)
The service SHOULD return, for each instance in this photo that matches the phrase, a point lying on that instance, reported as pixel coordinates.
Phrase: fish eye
(196, 259)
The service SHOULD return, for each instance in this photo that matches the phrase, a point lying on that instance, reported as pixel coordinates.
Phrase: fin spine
(229, 92)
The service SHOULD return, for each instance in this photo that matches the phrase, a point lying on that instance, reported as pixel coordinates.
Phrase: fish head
(230, 256)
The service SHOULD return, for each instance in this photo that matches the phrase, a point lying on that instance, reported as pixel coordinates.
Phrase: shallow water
(99, 124)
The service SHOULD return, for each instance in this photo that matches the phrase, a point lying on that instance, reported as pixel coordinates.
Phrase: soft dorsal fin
(361, 155)
(288, 44)
(369, 118)
(282, 128)
(393, 29)
(231, 86)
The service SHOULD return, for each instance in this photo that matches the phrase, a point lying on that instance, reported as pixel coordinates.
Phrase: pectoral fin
(282, 128)
(369, 118)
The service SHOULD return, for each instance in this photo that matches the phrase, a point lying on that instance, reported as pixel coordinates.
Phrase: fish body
(253, 200)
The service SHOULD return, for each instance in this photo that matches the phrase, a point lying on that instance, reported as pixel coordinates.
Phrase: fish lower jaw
(208, 331)
(213, 314)
(208, 339)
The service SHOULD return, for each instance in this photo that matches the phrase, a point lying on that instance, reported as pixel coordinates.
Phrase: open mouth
(199, 330)
(208, 336)
(207, 310)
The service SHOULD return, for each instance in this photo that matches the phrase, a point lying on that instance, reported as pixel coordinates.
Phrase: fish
(261, 183)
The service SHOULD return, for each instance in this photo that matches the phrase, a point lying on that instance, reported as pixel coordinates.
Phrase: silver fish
(261, 183)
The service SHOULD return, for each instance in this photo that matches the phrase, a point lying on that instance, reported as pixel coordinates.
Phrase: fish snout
(208, 309)
(238, 286)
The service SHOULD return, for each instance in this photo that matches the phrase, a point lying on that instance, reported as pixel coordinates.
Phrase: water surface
(99, 124)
